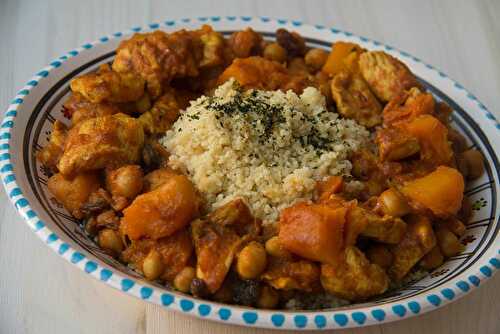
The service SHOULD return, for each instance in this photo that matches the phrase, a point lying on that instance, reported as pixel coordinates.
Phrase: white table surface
(41, 293)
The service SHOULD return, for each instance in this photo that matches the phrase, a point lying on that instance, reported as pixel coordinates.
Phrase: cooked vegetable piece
(340, 57)
(290, 274)
(251, 261)
(313, 231)
(408, 105)
(109, 240)
(108, 141)
(216, 247)
(432, 136)
(163, 211)
(355, 278)
(184, 278)
(49, 155)
(392, 203)
(395, 144)
(245, 43)
(106, 85)
(213, 47)
(175, 250)
(386, 75)
(126, 181)
(440, 191)
(418, 241)
(275, 52)
(355, 100)
(237, 215)
(328, 187)
(274, 248)
(454, 225)
(156, 178)
(315, 59)
(73, 193)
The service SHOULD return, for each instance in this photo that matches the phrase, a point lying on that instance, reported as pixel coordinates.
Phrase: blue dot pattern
(277, 319)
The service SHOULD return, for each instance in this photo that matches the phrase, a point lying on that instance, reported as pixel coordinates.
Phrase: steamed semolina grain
(268, 148)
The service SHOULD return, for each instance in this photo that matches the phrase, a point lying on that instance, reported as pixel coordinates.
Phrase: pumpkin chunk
(313, 231)
(440, 191)
(163, 211)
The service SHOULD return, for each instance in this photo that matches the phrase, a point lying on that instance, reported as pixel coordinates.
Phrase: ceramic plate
(30, 115)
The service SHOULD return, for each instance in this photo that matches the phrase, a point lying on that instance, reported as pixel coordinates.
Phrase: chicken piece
(237, 215)
(355, 279)
(96, 143)
(245, 43)
(418, 241)
(175, 251)
(448, 242)
(366, 168)
(433, 259)
(290, 274)
(73, 193)
(162, 115)
(156, 178)
(408, 105)
(49, 155)
(441, 192)
(215, 247)
(386, 75)
(106, 85)
(385, 229)
(355, 100)
(260, 73)
(158, 57)
(163, 211)
(395, 144)
(79, 108)
(313, 231)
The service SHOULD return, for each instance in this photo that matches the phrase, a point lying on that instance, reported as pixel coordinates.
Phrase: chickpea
(153, 266)
(433, 259)
(126, 181)
(110, 240)
(251, 261)
(316, 58)
(183, 279)
(448, 242)
(268, 298)
(475, 163)
(392, 203)
(274, 248)
(380, 254)
(276, 52)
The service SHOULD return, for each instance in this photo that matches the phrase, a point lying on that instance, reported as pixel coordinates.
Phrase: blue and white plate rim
(340, 318)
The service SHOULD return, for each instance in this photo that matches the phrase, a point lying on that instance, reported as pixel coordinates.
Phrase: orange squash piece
(343, 55)
(432, 136)
(328, 187)
(313, 231)
(163, 211)
(440, 191)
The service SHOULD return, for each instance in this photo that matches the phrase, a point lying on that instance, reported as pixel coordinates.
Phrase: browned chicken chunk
(356, 278)
(49, 155)
(418, 241)
(108, 141)
(290, 274)
(106, 85)
(394, 144)
(386, 75)
(355, 100)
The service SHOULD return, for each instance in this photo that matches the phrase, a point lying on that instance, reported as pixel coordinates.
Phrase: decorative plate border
(365, 315)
